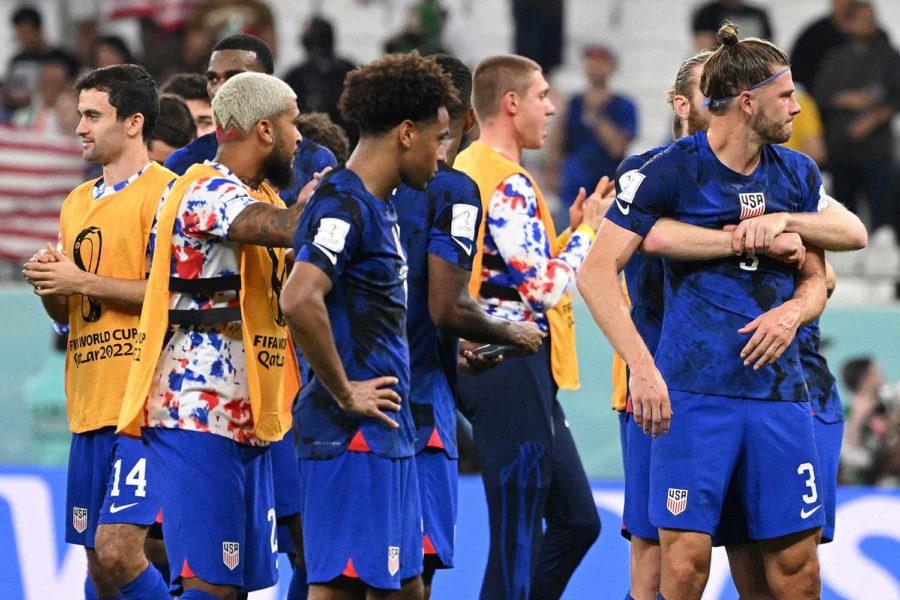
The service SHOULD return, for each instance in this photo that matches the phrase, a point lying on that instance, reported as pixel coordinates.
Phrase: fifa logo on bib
(676, 501)
(79, 519)
(231, 554)
(752, 205)
(393, 560)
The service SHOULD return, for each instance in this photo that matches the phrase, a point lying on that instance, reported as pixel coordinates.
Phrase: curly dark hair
(382, 94)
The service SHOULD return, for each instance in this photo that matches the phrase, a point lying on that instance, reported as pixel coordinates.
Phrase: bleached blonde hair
(247, 98)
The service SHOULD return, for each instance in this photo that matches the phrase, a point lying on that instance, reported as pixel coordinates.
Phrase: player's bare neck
(501, 140)
(736, 146)
(126, 164)
(377, 165)
(242, 163)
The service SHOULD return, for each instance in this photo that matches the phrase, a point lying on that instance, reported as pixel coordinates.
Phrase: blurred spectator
(174, 128)
(593, 132)
(872, 432)
(24, 71)
(108, 50)
(191, 88)
(422, 30)
(539, 28)
(53, 108)
(817, 40)
(318, 128)
(807, 136)
(858, 91)
(216, 19)
(319, 80)
(751, 21)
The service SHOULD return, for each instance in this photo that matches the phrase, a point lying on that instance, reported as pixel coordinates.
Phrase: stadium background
(650, 37)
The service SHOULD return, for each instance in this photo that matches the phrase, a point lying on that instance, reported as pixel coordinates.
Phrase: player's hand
(788, 248)
(576, 211)
(371, 398)
(755, 235)
(650, 399)
(307, 190)
(58, 276)
(528, 337)
(473, 363)
(42, 256)
(596, 205)
(773, 331)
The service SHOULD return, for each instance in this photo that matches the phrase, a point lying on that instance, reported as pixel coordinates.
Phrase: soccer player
(213, 375)
(530, 466)
(239, 53)
(232, 55)
(346, 302)
(95, 285)
(437, 231)
(191, 88)
(740, 396)
(834, 228)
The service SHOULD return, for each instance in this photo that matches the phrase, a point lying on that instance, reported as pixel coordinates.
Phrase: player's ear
(510, 102)
(134, 125)
(266, 131)
(745, 101)
(681, 105)
(470, 121)
(406, 131)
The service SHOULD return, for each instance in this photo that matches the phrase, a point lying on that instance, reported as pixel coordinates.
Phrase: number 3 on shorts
(807, 468)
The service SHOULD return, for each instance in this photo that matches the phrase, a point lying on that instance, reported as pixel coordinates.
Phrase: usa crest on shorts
(676, 501)
(79, 519)
(393, 560)
(231, 554)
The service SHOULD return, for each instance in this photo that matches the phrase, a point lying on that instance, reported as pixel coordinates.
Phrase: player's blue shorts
(732, 529)
(828, 444)
(767, 446)
(635, 519)
(361, 518)
(286, 479)
(438, 476)
(108, 482)
(218, 507)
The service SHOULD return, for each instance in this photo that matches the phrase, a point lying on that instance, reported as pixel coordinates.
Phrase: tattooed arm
(265, 225)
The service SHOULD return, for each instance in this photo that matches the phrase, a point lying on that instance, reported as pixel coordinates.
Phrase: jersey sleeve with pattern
(521, 239)
(328, 233)
(457, 217)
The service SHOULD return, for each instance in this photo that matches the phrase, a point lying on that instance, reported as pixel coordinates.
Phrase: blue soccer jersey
(353, 237)
(823, 393)
(309, 159)
(441, 221)
(707, 302)
(644, 274)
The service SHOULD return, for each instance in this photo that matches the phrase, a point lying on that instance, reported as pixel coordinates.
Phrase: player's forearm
(599, 286)
(124, 292)
(466, 319)
(681, 241)
(263, 224)
(835, 228)
(810, 292)
(310, 328)
(57, 308)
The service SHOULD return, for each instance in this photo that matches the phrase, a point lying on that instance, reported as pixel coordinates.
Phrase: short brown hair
(495, 77)
(736, 66)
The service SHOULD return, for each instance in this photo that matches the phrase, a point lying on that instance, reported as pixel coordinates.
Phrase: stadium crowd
(313, 274)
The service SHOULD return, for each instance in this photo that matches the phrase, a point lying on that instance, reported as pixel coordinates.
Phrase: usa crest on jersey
(393, 560)
(676, 501)
(752, 204)
(79, 519)
(231, 554)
